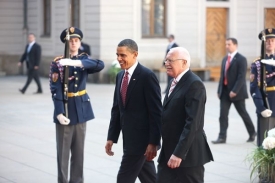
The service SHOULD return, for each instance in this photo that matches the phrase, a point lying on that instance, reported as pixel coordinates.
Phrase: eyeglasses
(172, 61)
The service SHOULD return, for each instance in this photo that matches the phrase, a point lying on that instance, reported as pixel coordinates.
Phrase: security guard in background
(70, 132)
(266, 117)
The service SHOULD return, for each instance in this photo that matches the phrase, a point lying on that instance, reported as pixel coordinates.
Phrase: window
(153, 18)
(47, 18)
(75, 9)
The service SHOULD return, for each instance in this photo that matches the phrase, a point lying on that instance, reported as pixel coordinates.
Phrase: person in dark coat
(32, 56)
(232, 89)
(84, 48)
(184, 145)
(172, 44)
(71, 129)
(136, 112)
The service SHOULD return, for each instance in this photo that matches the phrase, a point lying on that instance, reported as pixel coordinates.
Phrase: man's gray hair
(182, 54)
(130, 44)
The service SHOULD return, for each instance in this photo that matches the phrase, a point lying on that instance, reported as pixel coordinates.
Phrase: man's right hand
(108, 148)
(266, 113)
(62, 119)
(19, 64)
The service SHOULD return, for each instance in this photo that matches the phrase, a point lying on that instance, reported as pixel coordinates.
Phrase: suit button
(76, 78)
(75, 85)
(75, 72)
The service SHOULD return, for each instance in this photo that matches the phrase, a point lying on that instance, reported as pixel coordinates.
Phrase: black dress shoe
(219, 141)
(22, 91)
(252, 138)
(38, 92)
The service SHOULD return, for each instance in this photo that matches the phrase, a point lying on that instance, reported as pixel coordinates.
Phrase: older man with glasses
(184, 148)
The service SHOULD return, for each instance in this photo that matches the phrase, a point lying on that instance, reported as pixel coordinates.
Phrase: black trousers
(224, 111)
(33, 74)
(264, 124)
(133, 166)
(180, 175)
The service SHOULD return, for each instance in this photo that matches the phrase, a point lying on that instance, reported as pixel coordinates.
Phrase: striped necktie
(173, 85)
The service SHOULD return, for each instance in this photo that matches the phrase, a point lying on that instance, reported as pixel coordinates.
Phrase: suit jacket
(84, 48)
(182, 123)
(79, 107)
(173, 46)
(139, 120)
(33, 57)
(236, 77)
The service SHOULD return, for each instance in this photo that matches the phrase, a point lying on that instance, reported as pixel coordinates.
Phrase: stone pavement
(28, 148)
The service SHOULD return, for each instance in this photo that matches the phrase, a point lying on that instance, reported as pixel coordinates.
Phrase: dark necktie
(226, 68)
(124, 87)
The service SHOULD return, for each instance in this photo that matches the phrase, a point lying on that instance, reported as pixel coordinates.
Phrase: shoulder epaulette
(258, 58)
(83, 53)
(58, 58)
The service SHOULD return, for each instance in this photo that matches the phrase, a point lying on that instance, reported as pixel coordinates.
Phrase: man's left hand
(174, 162)
(232, 94)
(36, 67)
(70, 62)
(151, 152)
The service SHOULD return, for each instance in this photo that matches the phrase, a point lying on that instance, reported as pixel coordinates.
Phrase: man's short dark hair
(130, 44)
(234, 41)
(171, 36)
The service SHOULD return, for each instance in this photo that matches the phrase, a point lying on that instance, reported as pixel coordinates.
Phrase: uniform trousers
(225, 104)
(264, 124)
(180, 175)
(70, 140)
(33, 74)
(133, 166)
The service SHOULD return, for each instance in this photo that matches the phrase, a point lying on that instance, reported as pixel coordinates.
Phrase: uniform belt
(270, 88)
(79, 93)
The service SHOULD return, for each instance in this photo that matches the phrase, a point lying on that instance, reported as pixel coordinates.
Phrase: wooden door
(216, 31)
(269, 18)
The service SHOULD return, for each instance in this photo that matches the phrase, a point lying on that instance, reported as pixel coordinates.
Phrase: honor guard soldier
(72, 107)
(262, 84)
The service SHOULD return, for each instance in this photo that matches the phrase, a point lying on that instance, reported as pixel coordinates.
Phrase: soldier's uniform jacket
(79, 106)
(255, 85)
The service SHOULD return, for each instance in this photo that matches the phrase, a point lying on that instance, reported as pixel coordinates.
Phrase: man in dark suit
(184, 149)
(136, 112)
(232, 89)
(172, 44)
(84, 48)
(32, 56)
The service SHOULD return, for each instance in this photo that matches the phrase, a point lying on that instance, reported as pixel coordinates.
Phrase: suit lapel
(177, 88)
(132, 83)
(233, 60)
(166, 95)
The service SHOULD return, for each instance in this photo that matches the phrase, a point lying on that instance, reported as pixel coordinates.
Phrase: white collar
(181, 74)
(132, 68)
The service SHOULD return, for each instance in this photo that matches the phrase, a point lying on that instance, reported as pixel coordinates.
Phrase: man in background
(172, 44)
(32, 56)
(232, 89)
(84, 48)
